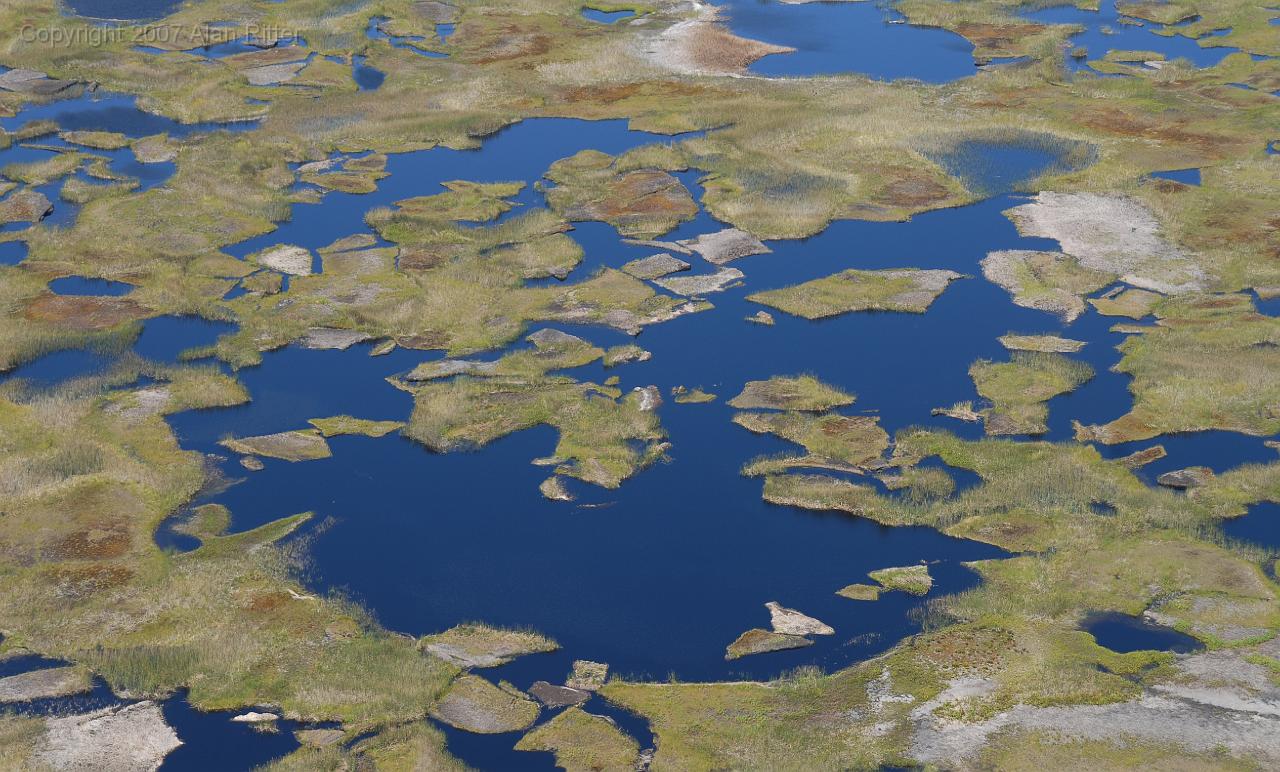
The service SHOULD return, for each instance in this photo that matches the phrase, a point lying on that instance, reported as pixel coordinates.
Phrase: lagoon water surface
(657, 577)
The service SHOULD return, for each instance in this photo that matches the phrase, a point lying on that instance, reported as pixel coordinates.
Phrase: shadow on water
(841, 37)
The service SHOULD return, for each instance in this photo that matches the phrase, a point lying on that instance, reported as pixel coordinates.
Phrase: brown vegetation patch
(100, 542)
(268, 602)
(967, 648)
(911, 189)
(1001, 36)
(612, 93)
(709, 47)
(1159, 127)
(508, 42)
(88, 313)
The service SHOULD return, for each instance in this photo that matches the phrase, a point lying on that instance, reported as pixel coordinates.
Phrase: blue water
(406, 41)
(657, 577)
(367, 78)
(104, 111)
(123, 10)
(848, 37)
(1185, 176)
(79, 285)
(1260, 527)
(522, 151)
(994, 166)
(1123, 633)
(210, 741)
(606, 17)
(1104, 31)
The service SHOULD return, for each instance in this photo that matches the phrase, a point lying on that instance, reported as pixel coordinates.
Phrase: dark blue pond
(210, 741)
(123, 10)
(606, 17)
(994, 166)
(375, 32)
(1106, 30)
(1123, 633)
(848, 37)
(657, 577)
(1260, 527)
(367, 78)
(80, 285)
(1185, 176)
(113, 112)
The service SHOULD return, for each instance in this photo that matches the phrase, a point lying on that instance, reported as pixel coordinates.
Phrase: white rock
(792, 622)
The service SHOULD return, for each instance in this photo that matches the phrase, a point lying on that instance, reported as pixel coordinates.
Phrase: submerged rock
(129, 738)
(792, 622)
(479, 645)
(1191, 477)
(472, 704)
(558, 696)
(759, 641)
(44, 684)
(587, 675)
(301, 445)
(655, 266)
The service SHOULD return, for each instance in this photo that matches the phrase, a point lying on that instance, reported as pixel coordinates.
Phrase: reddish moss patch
(84, 313)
